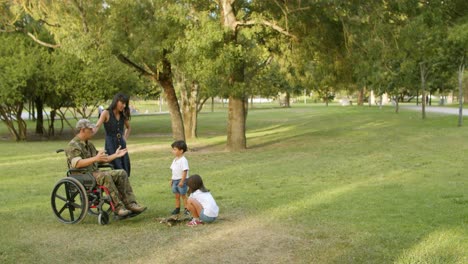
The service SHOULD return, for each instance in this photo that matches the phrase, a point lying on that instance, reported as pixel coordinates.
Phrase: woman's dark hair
(194, 183)
(179, 144)
(124, 99)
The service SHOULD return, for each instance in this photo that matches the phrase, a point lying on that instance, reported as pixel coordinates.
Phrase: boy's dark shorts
(180, 190)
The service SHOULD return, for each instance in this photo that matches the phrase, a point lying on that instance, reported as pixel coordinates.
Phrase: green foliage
(195, 57)
(20, 70)
(458, 37)
(82, 71)
(19, 59)
(275, 46)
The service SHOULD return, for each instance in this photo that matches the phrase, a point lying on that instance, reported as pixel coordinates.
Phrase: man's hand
(120, 152)
(101, 156)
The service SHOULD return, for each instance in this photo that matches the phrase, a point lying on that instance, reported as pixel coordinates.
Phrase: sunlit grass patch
(445, 245)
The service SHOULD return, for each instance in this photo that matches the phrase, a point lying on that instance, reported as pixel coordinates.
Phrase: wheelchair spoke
(75, 205)
(61, 198)
(72, 215)
(72, 195)
(62, 209)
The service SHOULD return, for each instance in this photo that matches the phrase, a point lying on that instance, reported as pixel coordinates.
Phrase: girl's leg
(194, 207)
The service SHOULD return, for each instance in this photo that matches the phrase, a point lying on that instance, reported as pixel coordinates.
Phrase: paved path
(436, 109)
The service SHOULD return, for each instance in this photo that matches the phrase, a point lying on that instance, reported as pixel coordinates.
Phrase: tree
(19, 61)
(81, 46)
(246, 25)
(149, 54)
(196, 63)
(458, 36)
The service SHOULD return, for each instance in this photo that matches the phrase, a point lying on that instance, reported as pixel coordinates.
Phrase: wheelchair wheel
(69, 201)
(103, 218)
(101, 203)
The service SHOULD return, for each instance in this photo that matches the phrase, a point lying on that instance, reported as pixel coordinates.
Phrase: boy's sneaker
(186, 212)
(176, 211)
(194, 222)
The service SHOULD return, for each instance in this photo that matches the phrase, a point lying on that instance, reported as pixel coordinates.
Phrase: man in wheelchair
(82, 154)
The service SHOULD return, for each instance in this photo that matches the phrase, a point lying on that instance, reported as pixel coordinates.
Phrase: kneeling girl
(200, 203)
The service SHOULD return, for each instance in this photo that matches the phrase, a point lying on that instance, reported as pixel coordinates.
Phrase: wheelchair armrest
(76, 171)
(105, 165)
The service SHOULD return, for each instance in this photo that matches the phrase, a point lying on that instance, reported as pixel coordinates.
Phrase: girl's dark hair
(194, 183)
(124, 99)
(179, 144)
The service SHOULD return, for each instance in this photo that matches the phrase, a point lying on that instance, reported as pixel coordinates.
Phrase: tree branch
(299, 9)
(148, 69)
(200, 104)
(7, 30)
(47, 23)
(285, 13)
(45, 44)
(137, 67)
(268, 24)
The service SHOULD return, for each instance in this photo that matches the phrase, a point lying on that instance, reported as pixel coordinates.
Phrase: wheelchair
(78, 194)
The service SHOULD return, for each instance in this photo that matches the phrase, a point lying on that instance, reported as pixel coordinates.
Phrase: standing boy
(179, 169)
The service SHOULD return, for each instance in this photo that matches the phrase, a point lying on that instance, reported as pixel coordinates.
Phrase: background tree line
(71, 55)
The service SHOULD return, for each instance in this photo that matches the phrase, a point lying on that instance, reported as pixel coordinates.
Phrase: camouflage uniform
(116, 181)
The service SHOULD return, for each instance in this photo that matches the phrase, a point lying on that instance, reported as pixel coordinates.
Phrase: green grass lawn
(316, 185)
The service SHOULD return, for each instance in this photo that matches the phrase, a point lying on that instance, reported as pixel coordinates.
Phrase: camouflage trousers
(116, 181)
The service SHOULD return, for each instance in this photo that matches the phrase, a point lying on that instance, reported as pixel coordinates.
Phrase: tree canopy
(82, 52)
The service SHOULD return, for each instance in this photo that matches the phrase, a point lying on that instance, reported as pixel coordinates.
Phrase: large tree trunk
(287, 100)
(238, 101)
(165, 80)
(189, 109)
(236, 139)
(40, 116)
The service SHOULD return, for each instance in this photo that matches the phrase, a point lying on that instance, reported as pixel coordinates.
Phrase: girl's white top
(178, 166)
(207, 201)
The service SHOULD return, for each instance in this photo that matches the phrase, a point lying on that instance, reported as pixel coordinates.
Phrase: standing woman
(116, 120)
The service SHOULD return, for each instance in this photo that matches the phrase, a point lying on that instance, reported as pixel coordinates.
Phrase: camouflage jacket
(78, 150)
